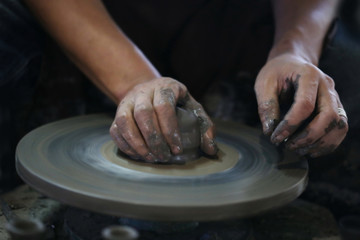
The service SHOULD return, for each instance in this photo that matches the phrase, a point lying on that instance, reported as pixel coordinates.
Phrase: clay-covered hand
(145, 126)
(315, 96)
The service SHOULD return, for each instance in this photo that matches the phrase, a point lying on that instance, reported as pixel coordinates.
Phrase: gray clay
(190, 136)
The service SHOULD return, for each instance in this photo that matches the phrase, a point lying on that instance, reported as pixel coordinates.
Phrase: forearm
(301, 26)
(95, 44)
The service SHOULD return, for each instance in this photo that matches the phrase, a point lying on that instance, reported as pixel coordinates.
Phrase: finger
(129, 131)
(164, 104)
(313, 132)
(269, 115)
(121, 143)
(322, 148)
(207, 127)
(306, 149)
(268, 105)
(331, 140)
(147, 122)
(328, 142)
(301, 109)
(326, 120)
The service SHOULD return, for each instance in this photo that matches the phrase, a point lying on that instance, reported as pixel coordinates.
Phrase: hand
(145, 126)
(314, 93)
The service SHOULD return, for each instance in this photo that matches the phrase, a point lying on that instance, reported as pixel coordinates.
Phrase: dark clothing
(198, 41)
(21, 44)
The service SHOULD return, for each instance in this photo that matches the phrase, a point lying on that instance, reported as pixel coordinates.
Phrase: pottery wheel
(76, 162)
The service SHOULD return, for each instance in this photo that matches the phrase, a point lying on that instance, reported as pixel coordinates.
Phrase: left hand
(314, 91)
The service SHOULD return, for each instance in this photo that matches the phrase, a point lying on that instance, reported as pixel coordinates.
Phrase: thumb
(268, 104)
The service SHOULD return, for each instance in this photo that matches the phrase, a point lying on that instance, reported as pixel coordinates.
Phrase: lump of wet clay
(190, 136)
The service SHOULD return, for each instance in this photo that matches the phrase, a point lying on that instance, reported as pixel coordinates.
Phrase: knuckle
(142, 111)
(113, 131)
(330, 82)
(163, 106)
(181, 88)
(167, 79)
(122, 121)
(310, 82)
(331, 114)
(182, 92)
(311, 69)
(307, 104)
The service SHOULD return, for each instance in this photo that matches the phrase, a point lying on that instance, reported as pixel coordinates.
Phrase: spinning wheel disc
(76, 162)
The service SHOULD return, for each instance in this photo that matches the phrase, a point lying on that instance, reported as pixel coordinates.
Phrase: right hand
(145, 126)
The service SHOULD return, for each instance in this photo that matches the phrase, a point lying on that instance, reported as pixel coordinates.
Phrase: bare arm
(95, 44)
(145, 125)
(301, 27)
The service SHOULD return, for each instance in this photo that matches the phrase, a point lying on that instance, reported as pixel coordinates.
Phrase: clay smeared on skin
(167, 95)
(286, 88)
(268, 111)
(341, 124)
(203, 122)
(294, 142)
(283, 130)
(196, 108)
(160, 147)
(306, 149)
(296, 82)
(213, 145)
(270, 126)
(154, 139)
(289, 87)
(185, 101)
(302, 135)
(316, 149)
(205, 125)
(323, 150)
(331, 126)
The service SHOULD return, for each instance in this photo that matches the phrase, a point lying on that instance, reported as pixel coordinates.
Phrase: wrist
(118, 85)
(117, 68)
(294, 43)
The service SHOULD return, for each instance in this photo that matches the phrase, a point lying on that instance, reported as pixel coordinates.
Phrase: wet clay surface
(227, 158)
(76, 169)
